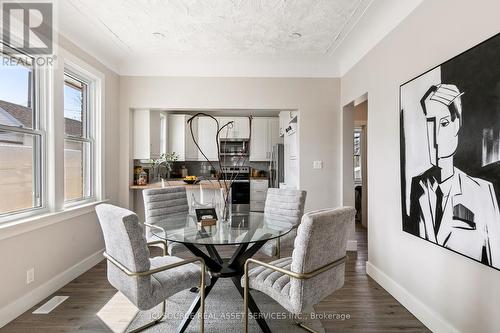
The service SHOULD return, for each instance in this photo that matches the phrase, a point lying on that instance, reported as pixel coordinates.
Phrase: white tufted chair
(283, 206)
(160, 203)
(145, 281)
(315, 269)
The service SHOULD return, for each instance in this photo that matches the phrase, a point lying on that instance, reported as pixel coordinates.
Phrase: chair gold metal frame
(159, 241)
(300, 276)
(161, 269)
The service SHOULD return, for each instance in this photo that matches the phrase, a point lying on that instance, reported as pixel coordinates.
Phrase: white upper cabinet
(239, 130)
(150, 138)
(207, 131)
(180, 139)
(265, 134)
(242, 125)
(228, 131)
(274, 133)
(147, 134)
(259, 150)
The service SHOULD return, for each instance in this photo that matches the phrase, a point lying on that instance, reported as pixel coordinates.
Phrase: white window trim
(40, 83)
(23, 225)
(53, 209)
(95, 81)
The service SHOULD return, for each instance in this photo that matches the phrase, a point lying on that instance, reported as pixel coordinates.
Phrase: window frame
(358, 131)
(89, 122)
(38, 130)
(48, 91)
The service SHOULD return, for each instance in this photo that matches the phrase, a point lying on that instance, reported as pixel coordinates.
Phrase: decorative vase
(226, 205)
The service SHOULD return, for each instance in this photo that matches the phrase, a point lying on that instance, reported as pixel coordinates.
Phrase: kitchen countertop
(171, 183)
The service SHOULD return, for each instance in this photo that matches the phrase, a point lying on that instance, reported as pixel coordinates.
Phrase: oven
(240, 188)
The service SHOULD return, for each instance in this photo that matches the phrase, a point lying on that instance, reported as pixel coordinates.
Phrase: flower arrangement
(167, 160)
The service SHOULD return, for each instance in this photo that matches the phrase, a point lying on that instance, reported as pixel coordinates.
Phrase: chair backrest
(162, 202)
(124, 240)
(321, 239)
(285, 205)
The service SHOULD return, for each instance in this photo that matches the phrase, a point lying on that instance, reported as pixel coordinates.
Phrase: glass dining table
(246, 233)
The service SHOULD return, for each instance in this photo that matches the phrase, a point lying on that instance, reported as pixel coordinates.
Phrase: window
(78, 141)
(35, 140)
(357, 155)
(21, 138)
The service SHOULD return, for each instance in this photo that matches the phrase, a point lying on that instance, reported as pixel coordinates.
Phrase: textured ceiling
(220, 27)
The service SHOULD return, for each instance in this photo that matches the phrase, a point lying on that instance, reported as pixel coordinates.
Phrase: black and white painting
(450, 154)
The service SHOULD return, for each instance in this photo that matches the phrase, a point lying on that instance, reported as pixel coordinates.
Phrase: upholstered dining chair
(145, 281)
(283, 206)
(315, 269)
(160, 203)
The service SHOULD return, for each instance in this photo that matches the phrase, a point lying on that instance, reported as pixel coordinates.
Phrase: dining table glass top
(244, 228)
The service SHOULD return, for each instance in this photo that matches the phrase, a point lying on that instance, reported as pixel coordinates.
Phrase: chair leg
(156, 321)
(245, 299)
(202, 298)
(278, 248)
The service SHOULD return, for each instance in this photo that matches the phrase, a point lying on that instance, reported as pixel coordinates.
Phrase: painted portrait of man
(449, 207)
(450, 154)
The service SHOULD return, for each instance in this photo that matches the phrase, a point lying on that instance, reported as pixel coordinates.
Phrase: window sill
(21, 226)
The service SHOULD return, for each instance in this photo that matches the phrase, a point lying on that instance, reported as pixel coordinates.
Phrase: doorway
(359, 162)
(354, 166)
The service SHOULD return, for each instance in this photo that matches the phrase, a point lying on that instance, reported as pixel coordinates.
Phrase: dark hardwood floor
(368, 306)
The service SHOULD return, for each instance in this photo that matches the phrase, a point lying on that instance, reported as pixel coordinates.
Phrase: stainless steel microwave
(234, 147)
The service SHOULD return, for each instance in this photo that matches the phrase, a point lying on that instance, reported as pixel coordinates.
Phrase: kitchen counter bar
(205, 184)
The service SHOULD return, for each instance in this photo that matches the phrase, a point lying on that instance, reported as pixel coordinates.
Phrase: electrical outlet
(318, 165)
(30, 275)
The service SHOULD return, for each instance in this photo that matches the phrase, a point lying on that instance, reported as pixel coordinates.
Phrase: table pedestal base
(232, 268)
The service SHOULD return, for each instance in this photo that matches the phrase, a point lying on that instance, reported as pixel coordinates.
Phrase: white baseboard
(426, 315)
(24, 303)
(352, 245)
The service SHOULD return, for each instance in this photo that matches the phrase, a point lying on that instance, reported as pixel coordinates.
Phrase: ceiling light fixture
(295, 35)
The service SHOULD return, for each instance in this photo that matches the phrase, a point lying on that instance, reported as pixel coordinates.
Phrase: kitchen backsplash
(200, 169)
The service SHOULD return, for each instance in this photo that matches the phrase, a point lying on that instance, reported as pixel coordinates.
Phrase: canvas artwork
(450, 154)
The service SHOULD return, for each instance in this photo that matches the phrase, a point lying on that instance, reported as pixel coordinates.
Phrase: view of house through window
(20, 139)
(78, 142)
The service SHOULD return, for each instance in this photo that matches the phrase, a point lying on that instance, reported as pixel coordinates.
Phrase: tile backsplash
(197, 168)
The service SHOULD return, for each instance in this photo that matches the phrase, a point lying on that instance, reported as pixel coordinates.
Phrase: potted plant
(166, 160)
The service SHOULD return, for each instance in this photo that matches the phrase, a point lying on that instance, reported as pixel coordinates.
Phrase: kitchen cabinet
(274, 135)
(242, 127)
(258, 193)
(180, 140)
(147, 132)
(265, 134)
(239, 130)
(207, 131)
(259, 150)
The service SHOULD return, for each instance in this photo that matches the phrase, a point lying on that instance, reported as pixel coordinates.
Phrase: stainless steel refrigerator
(277, 167)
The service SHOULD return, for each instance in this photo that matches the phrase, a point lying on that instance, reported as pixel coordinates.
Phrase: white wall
(316, 99)
(446, 291)
(59, 251)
